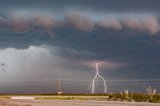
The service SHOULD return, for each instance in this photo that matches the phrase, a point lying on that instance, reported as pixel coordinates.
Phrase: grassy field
(130, 97)
(74, 97)
(106, 97)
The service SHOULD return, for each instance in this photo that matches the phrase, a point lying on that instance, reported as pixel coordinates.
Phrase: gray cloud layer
(147, 23)
(79, 21)
(94, 5)
(44, 63)
(116, 32)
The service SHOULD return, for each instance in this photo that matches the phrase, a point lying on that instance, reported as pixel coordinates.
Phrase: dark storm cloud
(114, 31)
(100, 5)
(124, 39)
(87, 15)
(79, 21)
(23, 24)
(20, 22)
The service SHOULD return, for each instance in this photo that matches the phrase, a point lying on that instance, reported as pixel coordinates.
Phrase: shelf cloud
(51, 39)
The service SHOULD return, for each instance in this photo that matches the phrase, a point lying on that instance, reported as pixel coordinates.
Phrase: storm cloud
(79, 21)
(52, 39)
(44, 23)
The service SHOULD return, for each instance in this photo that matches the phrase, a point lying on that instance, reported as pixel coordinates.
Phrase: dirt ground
(9, 102)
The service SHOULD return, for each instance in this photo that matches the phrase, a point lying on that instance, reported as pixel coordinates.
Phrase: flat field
(9, 102)
(66, 101)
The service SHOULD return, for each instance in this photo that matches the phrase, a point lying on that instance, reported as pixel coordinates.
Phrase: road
(9, 102)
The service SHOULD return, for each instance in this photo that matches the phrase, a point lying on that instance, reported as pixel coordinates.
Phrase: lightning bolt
(92, 84)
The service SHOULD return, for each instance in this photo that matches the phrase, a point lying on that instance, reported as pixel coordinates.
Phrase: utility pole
(59, 87)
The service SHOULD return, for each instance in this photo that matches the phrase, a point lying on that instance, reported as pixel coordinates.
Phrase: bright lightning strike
(92, 85)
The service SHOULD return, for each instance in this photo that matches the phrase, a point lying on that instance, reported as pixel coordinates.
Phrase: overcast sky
(63, 39)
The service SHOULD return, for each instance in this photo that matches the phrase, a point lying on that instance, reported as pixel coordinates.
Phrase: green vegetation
(125, 96)
(122, 96)
(151, 92)
(74, 97)
(137, 97)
